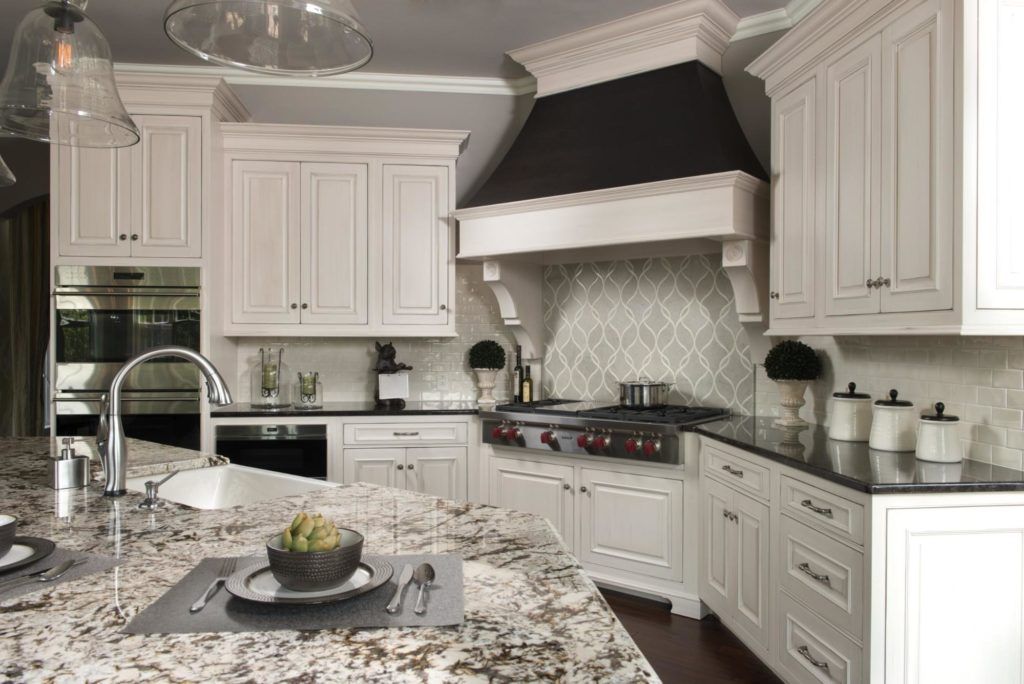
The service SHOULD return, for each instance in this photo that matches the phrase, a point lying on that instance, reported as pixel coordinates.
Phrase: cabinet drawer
(823, 510)
(723, 463)
(812, 651)
(826, 575)
(405, 433)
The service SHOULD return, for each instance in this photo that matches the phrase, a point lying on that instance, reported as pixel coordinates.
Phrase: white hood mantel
(632, 150)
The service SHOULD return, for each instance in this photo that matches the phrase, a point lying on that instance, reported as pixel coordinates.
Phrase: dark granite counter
(354, 408)
(854, 465)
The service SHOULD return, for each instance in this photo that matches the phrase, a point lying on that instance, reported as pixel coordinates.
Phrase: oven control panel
(598, 439)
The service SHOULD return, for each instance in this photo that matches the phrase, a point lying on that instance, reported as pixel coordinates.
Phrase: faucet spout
(114, 453)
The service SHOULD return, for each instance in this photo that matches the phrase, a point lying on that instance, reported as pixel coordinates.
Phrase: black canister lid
(851, 393)
(893, 401)
(940, 415)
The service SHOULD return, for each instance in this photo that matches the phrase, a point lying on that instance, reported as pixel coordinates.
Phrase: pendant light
(59, 85)
(6, 177)
(280, 37)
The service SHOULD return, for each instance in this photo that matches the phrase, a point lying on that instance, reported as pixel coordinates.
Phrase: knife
(396, 600)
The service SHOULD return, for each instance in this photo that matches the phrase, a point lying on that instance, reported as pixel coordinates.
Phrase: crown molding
(361, 80)
(256, 138)
(184, 92)
(776, 20)
(681, 31)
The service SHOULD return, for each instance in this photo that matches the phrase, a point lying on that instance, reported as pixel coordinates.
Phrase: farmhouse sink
(228, 485)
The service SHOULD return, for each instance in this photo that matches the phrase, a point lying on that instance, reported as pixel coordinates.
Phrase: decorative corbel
(517, 287)
(746, 264)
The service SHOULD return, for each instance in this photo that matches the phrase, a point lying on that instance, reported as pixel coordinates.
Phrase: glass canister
(308, 392)
(270, 380)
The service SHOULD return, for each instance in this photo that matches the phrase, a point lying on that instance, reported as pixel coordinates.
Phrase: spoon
(424, 576)
(46, 576)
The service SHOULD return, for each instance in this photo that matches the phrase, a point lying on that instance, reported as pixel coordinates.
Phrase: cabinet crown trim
(358, 140)
(174, 93)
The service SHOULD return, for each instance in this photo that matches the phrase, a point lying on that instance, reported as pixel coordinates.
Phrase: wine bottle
(517, 376)
(527, 390)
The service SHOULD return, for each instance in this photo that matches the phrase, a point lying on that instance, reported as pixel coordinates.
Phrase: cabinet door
(265, 242)
(933, 617)
(793, 203)
(167, 187)
(92, 201)
(334, 251)
(543, 489)
(632, 522)
(1000, 150)
(416, 245)
(384, 467)
(852, 135)
(717, 576)
(438, 471)
(917, 160)
(750, 553)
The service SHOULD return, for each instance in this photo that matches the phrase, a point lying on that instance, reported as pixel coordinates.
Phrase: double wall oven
(104, 316)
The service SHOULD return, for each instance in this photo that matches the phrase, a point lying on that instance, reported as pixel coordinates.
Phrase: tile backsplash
(440, 368)
(980, 379)
(668, 319)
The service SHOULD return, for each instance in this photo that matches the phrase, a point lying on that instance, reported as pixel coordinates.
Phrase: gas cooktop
(573, 427)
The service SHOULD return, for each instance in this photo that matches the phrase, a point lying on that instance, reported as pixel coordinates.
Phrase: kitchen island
(530, 611)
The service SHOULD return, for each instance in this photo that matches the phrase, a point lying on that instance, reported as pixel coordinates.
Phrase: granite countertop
(531, 612)
(854, 465)
(353, 408)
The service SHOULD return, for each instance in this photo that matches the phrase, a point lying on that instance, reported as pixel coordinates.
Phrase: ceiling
(442, 37)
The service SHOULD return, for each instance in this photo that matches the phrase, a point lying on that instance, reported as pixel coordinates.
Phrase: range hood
(632, 150)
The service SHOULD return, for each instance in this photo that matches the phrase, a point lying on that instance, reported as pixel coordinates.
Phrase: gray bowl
(8, 528)
(316, 570)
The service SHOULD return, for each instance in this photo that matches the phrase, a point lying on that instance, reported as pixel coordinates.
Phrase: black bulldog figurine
(386, 363)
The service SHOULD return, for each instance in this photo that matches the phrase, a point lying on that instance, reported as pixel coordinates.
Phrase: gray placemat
(93, 563)
(226, 613)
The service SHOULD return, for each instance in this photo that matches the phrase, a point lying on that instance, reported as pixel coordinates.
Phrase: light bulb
(63, 54)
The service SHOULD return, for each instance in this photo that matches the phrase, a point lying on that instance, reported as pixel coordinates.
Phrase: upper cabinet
(338, 231)
(875, 112)
(144, 201)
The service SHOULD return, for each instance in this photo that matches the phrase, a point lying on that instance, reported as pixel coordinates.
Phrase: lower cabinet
(544, 489)
(438, 471)
(734, 573)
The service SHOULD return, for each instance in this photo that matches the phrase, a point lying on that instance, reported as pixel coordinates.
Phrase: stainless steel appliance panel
(291, 449)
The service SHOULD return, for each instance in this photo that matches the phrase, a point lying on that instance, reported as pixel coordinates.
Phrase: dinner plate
(25, 550)
(257, 583)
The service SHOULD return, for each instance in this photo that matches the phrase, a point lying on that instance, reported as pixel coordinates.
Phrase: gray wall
(746, 93)
(30, 163)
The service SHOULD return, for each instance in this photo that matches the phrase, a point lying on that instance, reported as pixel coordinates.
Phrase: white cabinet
(794, 191)
(384, 467)
(437, 471)
(141, 201)
(734, 564)
(416, 245)
(370, 241)
(544, 489)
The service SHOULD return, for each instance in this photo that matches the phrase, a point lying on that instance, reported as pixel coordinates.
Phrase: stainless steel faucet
(112, 445)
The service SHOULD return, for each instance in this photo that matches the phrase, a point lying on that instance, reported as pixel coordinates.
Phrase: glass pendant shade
(281, 37)
(59, 84)
(6, 177)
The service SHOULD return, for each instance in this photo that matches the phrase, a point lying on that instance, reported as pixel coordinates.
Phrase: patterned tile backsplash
(440, 368)
(980, 379)
(667, 319)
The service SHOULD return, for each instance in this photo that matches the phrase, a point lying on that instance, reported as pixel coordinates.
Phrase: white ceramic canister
(938, 437)
(893, 425)
(851, 416)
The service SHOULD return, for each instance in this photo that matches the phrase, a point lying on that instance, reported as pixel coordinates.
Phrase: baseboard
(682, 602)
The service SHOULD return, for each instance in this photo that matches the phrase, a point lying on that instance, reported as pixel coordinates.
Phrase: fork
(227, 568)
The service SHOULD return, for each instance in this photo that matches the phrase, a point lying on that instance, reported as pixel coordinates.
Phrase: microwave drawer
(405, 433)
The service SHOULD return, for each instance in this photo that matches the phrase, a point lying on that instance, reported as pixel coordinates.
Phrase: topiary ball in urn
(486, 358)
(792, 365)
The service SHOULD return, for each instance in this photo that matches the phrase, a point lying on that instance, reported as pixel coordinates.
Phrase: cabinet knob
(886, 282)
(870, 284)
(583, 490)
(410, 467)
(567, 486)
(401, 467)
(773, 295)
(305, 306)
(444, 307)
(135, 236)
(294, 305)
(122, 237)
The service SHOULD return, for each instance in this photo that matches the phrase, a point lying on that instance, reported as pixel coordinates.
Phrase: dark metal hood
(669, 123)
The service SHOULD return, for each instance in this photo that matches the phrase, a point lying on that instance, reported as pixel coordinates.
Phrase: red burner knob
(632, 445)
(547, 437)
(651, 447)
(601, 442)
(583, 441)
(513, 434)
(497, 433)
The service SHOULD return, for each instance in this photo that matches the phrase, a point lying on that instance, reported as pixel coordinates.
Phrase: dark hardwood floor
(685, 650)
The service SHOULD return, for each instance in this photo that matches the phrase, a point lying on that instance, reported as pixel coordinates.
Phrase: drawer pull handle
(729, 515)
(806, 569)
(807, 503)
(732, 471)
(806, 653)
(405, 434)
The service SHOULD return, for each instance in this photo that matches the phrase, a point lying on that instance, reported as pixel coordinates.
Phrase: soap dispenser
(69, 470)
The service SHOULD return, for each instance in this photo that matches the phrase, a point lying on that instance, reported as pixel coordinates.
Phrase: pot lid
(940, 416)
(893, 402)
(647, 382)
(851, 393)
